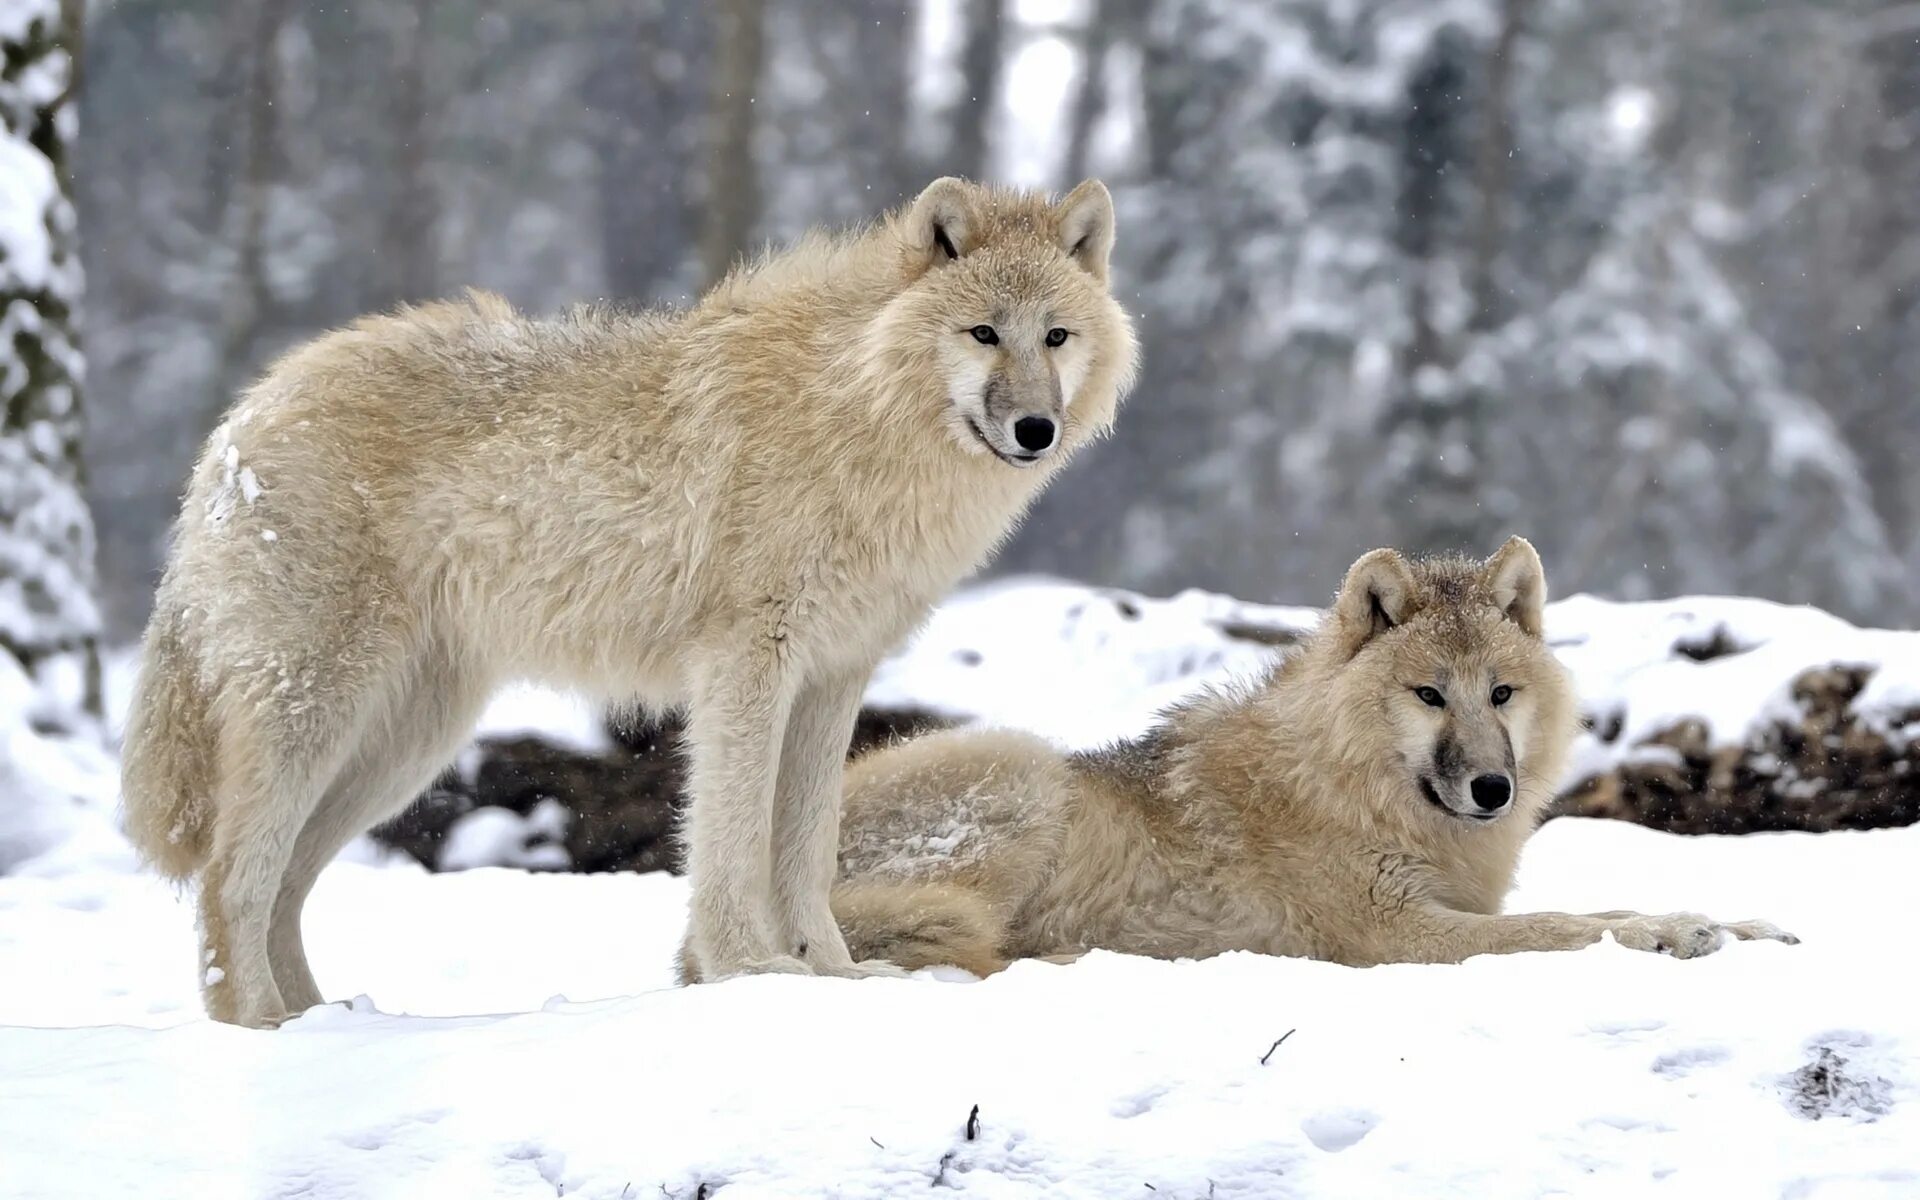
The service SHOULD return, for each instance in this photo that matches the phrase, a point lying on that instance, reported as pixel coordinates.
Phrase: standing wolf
(1366, 803)
(739, 508)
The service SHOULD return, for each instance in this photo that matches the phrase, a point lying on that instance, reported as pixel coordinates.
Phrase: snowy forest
(1639, 280)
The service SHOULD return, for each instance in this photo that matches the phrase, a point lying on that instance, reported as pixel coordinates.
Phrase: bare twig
(875, 1141)
(973, 1123)
(1276, 1045)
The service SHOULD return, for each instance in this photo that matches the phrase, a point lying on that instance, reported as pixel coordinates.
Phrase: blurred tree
(47, 605)
(834, 131)
(1868, 363)
(409, 258)
(248, 301)
(1443, 277)
(1097, 36)
(981, 56)
(1406, 270)
(732, 200)
(645, 86)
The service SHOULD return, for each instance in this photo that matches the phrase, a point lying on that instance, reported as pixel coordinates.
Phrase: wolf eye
(1501, 695)
(1056, 336)
(1431, 697)
(985, 335)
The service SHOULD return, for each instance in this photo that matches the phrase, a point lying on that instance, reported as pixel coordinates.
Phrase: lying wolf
(1366, 803)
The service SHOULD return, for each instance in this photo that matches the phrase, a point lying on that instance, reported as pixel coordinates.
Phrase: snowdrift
(516, 1034)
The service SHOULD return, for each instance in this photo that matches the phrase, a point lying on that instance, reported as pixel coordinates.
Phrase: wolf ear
(941, 219)
(1518, 583)
(1376, 595)
(1086, 227)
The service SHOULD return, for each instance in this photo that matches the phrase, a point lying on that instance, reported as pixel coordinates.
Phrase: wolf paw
(1690, 935)
(1683, 935)
(1749, 931)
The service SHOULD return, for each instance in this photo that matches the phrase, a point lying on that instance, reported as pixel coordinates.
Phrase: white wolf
(1366, 803)
(739, 508)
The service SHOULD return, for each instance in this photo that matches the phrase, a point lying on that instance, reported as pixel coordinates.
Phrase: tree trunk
(249, 298)
(645, 90)
(1494, 169)
(1438, 418)
(410, 264)
(733, 187)
(980, 73)
(47, 585)
(1090, 97)
(876, 110)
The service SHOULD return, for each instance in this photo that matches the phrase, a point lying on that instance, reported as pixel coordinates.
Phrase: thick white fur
(738, 508)
(1285, 818)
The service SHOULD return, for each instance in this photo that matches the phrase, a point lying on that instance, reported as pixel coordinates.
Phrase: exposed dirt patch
(623, 805)
(1833, 1084)
(1823, 768)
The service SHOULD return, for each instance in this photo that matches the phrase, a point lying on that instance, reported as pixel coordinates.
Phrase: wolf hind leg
(277, 759)
(391, 766)
(806, 826)
(917, 925)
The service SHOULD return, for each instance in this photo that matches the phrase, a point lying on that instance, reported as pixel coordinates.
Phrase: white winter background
(517, 1034)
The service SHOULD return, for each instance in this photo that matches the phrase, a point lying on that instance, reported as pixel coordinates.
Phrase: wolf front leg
(1446, 936)
(738, 719)
(806, 825)
(1745, 931)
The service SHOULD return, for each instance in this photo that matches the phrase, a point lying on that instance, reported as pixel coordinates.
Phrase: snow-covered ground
(523, 1038)
(1602, 1073)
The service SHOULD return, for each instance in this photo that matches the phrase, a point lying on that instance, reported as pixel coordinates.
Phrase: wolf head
(1007, 302)
(1441, 678)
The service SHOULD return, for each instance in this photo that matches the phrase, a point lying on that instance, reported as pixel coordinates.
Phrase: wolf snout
(1034, 434)
(1491, 792)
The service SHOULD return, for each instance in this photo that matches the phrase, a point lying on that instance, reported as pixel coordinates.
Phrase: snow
(516, 1033)
(1084, 666)
(543, 1052)
(45, 586)
(492, 836)
(58, 786)
(1080, 665)
(531, 710)
(18, 16)
(1624, 659)
(27, 191)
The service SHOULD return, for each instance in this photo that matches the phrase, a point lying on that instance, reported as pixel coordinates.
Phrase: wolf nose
(1491, 791)
(1033, 433)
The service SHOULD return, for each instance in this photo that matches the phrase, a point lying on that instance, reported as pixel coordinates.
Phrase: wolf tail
(918, 925)
(166, 778)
